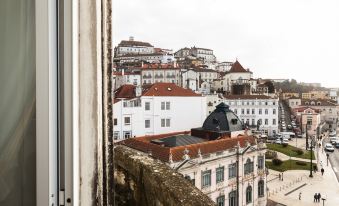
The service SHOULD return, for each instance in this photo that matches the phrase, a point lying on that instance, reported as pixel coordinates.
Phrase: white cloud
(275, 38)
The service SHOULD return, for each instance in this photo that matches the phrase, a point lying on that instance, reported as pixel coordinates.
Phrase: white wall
(185, 113)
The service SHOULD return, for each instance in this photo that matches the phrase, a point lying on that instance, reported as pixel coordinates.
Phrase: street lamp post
(323, 199)
(311, 166)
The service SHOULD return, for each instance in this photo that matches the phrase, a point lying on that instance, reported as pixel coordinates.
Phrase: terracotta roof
(236, 68)
(126, 73)
(156, 89)
(125, 91)
(140, 55)
(163, 153)
(247, 97)
(166, 89)
(159, 66)
(134, 43)
(302, 109)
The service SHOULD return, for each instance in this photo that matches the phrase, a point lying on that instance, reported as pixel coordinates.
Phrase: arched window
(261, 188)
(248, 194)
(232, 198)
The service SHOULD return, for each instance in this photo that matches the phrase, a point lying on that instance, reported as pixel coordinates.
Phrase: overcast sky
(274, 38)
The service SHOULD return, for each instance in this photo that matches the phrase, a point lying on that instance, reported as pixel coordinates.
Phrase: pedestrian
(299, 195)
(319, 145)
(322, 171)
(282, 176)
(279, 176)
(314, 168)
(319, 196)
(315, 197)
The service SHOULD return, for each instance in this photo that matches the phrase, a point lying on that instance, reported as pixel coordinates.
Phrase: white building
(219, 158)
(133, 47)
(156, 109)
(224, 66)
(190, 79)
(254, 109)
(201, 53)
(207, 75)
(122, 78)
(153, 73)
(205, 54)
(294, 102)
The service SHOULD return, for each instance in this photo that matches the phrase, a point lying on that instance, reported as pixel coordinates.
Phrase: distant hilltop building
(195, 52)
(310, 84)
(131, 51)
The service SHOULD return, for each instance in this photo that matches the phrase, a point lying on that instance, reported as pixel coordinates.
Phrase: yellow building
(315, 95)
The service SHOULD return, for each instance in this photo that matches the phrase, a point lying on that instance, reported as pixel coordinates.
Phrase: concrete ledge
(142, 180)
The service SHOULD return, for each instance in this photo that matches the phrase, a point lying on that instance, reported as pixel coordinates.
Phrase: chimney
(131, 38)
(138, 91)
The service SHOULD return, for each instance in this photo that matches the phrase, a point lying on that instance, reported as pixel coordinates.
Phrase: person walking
(319, 196)
(322, 171)
(279, 176)
(315, 197)
(282, 176)
(299, 195)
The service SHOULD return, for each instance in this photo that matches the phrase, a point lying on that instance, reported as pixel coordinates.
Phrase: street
(333, 158)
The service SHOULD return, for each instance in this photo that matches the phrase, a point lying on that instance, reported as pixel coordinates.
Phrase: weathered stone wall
(141, 180)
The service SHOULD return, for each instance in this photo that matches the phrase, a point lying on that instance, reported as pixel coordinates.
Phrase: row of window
(250, 103)
(165, 122)
(274, 122)
(125, 135)
(164, 106)
(232, 201)
(232, 170)
(156, 81)
(249, 111)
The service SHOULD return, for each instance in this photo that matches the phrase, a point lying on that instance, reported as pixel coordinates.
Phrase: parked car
(289, 126)
(284, 142)
(332, 133)
(329, 147)
(333, 140)
(277, 141)
(336, 144)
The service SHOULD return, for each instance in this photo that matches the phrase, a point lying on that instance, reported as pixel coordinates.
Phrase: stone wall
(141, 180)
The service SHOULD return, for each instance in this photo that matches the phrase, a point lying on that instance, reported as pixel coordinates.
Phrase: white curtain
(17, 103)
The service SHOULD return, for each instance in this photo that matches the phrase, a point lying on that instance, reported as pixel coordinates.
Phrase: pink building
(308, 116)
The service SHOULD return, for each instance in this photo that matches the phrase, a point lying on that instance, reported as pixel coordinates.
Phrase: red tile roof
(156, 89)
(236, 68)
(125, 91)
(134, 43)
(159, 66)
(166, 89)
(302, 109)
(126, 73)
(163, 153)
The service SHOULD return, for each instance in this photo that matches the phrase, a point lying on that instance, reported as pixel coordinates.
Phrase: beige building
(315, 95)
(287, 95)
(294, 102)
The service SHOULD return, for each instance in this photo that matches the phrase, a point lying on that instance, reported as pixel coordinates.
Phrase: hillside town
(229, 134)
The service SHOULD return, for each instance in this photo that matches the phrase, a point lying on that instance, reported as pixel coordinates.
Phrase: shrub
(299, 152)
(277, 162)
(270, 154)
(284, 145)
(301, 163)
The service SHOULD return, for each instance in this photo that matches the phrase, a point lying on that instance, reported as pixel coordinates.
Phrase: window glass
(221, 200)
(220, 174)
(206, 178)
(17, 103)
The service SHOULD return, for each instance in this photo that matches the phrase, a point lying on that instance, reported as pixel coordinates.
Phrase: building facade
(122, 78)
(153, 73)
(308, 116)
(256, 111)
(219, 158)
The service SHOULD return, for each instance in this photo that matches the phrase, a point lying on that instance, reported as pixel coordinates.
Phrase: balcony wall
(141, 180)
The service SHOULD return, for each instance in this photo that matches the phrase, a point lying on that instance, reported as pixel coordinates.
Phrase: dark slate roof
(222, 119)
(178, 140)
